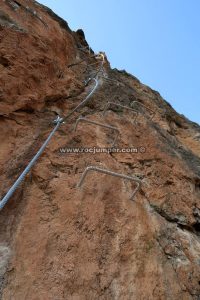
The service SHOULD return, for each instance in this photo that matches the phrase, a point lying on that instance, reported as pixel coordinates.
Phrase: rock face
(58, 241)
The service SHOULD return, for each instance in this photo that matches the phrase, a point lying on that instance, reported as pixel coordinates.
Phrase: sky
(158, 41)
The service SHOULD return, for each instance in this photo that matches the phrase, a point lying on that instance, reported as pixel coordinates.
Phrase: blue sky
(158, 41)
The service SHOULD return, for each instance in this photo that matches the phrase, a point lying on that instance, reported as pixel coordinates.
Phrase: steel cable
(58, 122)
(30, 165)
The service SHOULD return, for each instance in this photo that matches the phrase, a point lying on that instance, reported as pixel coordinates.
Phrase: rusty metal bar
(109, 79)
(81, 61)
(86, 47)
(97, 56)
(149, 109)
(123, 106)
(93, 64)
(97, 62)
(108, 172)
(82, 119)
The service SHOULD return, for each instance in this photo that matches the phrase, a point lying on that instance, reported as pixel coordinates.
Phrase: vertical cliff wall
(58, 241)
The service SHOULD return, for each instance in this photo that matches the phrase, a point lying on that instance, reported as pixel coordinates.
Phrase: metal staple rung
(82, 119)
(109, 79)
(108, 172)
(79, 62)
(86, 47)
(123, 106)
(149, 109)
(96, 63)
(94, 73)
(97, 56)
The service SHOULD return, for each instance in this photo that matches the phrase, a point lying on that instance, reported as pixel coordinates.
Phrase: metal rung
(97, 62)
(97, 56)
(82, 119)
(83, 60)
(149, 109)
(108, 172)
(79, 62)
(93, 64)
(86, 47)
(123, 106)
(109, 79)
(92, 74)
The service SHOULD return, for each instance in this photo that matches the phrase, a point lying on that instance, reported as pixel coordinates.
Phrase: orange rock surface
(58, 241)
